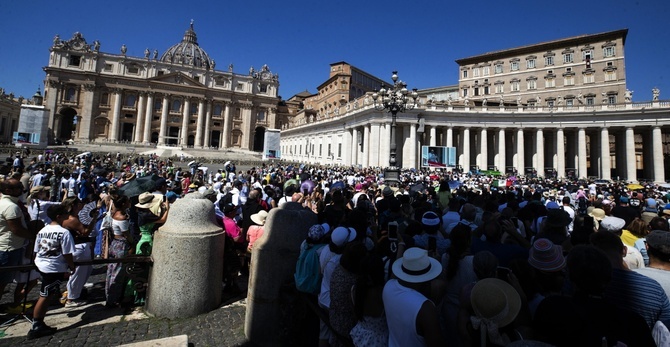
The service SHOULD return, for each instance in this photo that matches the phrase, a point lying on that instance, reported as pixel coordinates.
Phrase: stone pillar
(148, 117)
(539, 148)
(449, 137)
(198, 124)
(411, 160)
(631, 160)
(185, 280)
(116, 116)
(354, 147)
(186, 115)
(560, 153)
(208, 124)
(432, 141)
(605, 156)
(466, 150)
(657, 153)
(164, 118)
(581, 148)
(520, 158)
(385, 145)
(502, 152)
(365, 160)
(86, 121)
(225, 134)
(483, 150)
(141, 109)
(346, 147)
(274, 259)
(373, 146)
(247, 113)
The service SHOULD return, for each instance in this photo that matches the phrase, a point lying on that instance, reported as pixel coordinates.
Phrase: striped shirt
(640, 294)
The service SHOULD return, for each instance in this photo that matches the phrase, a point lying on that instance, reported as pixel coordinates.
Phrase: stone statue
(124, 49)
(251, 71)
(56, 40)
(449, 100)
(559, 100)
(146, 53)
(502, 101)
(580, 98)
(466, 101)
(96, 45)
(485, 102)
(366, 101)
(628, 95)
(604, 95)
(155, 54)
(213, 64)
(655, 93)
(230, 67)
(518, 100)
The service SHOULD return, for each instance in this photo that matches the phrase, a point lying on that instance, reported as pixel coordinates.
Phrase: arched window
(130, 100)
(176, 105)
(218, 109)
(71, 94)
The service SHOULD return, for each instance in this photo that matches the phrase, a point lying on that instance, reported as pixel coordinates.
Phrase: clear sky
(299, 39)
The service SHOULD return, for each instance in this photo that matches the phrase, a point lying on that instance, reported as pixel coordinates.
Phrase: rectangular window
(499, 68)
(476, 90)
(465, 73)
(589, 78)
(569, 81)
(611, 99)
(568, 58)
(515, 86)
(549, 83)
(486, 90)
(475, 72)
(487, 70)
(532, 84)
(261, 116)
(75, 60)
(329, 147)
(550, 103)
(514, 66)
(569, 102)
(465, 92)
(339, 150)
(549, 61)
(264, 88)
(320, 148)
(530, 63)
(610, 76)
(240, 86)
(587, 55)
(590, 100)
(499, 88)
(133, 70)
(108, 67)
(609, 51)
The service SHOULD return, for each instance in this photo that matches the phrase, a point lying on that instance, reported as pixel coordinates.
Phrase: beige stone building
(178, 97)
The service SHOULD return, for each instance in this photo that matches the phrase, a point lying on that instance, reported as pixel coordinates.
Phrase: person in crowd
(83, 251)
(658, 248)
(341, 313)
(371, 328)
(256, 230)
(119, 247)
(650, 210)
(632, 256)
(625, 211)
(633, 236)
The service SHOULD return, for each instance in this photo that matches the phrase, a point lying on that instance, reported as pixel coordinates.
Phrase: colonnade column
(449, 137)
(148, 117)
(466, 150)
(197, 142)
(373, 155)
(354, 147)
(208, 124)
(433, 136)
(225, 135)
(631, 160)
(385, 145)
(116, 115)
(502, 151)
(164, 119)
(366, 146)
(186, 114)
(605, 167)
(520, 158)
(657, 154)
(141, 109)
(581, 148)
(539, 146)
(483, 149)
(86, 121)
(560, 153)
(346, 144)
(412, 147)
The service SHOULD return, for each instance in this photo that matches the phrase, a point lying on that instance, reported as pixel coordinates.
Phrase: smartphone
(393, 230)
(432, 243)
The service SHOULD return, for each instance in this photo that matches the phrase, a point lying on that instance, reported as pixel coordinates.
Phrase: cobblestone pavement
(95, 325)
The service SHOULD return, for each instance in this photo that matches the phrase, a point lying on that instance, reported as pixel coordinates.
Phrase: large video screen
(438, 156)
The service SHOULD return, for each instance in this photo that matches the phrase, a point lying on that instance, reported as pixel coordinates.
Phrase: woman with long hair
(118, 248)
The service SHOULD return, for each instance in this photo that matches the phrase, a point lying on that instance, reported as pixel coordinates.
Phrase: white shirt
(52, 242)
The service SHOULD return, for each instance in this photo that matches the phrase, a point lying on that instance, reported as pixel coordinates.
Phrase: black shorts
(51, 283)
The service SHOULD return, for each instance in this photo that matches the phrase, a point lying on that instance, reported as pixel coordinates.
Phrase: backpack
(308, 271)
(582, 206)
(226, 199)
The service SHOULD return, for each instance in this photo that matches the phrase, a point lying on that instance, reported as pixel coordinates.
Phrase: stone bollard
(185, 279)
(272, 267)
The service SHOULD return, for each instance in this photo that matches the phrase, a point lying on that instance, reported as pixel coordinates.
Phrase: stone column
(227, 120)
(631, 160)
(86, 120)
(432, 141)
(141, 109)
(466, 150)
(605, 156)
(346, 147)
(539, 148)
(483, 149)
(197, 143)
(385, 145)
(185, 280)
(560, 153)
(164, 118)
(116, 116)
(659, 165)
(581, 148)
(247, 113)
(502, 151)
(354, 147)
(52, 93)
(373, 146)
(412, 147)
(148, 117)
(186, 115)
(365, 160)
(449, 137)
(269, 313)
(208, 124)
(520, 157)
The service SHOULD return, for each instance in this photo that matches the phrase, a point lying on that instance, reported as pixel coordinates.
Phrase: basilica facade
(176, 97)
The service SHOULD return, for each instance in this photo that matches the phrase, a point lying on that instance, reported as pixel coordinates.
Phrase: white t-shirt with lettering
(52, 242)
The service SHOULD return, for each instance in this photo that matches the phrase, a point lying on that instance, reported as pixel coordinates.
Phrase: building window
(514, 66)
(610, 75)
(218, 109)
(71, 94)
(549, 60)
(499, 68)
(176, 105)
(589, 78)
(549, 83)
(320, 148)
(590, 101)
(515, 86)
(609, 51)
(568, 58)
(108, 67)
(569, 80)
(499, 88)
(486, 90)
(260, 116)
(532, 84)
(550, 103)
(465, 92)
(475, 72)
(75, 60)
(104, 99)
(611, 99)
(196, 77)
(194, 108)
(465, 73)
(339, 150)
(569, 102)
(487, 70)
(133, 69)
(476, 90)
(130, 100)
(158, 104)
(264, 88)
(240, 86)
(530, 63)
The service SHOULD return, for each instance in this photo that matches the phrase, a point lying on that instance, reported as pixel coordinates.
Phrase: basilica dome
(187, 52)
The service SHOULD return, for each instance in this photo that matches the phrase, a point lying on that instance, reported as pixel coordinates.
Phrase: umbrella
(139, 185)
(416, 188)
(292, 181)
(191, 163)
(307, 185)
(85, 213)
(83, 154)
(634, 186)
(226, 163)
(454, 184)
(337, 185)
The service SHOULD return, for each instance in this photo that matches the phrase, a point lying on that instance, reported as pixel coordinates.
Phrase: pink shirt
(254, 233)
(232, 229)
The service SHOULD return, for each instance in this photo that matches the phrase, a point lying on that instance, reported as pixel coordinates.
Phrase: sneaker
(75, 303)
(40, 331)
(19, 309)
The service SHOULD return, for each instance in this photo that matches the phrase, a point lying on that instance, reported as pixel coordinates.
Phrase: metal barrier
(128, 259)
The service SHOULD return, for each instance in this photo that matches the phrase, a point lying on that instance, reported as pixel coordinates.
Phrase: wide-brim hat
(147, 200)
(38, 189)
(557, 218)
(544, 255)
(416, 266)
(342, 235)
(597, 214)
(495, 300)
(612, 224)
(260, 217)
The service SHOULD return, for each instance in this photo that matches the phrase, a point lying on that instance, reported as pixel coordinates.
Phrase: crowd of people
(437, 258)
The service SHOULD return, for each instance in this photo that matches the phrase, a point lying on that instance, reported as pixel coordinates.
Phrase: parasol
(292, 181)
(139, 185)
(83, 154)
(337, 185)
(634, 186)
(307, 185)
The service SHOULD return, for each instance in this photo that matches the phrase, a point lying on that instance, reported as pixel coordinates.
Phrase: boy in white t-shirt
(54, 247)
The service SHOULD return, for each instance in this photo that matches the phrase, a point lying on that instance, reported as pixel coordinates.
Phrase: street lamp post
(396, 99)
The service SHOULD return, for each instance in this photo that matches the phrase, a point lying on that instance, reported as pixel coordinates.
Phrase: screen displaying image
(434, 156)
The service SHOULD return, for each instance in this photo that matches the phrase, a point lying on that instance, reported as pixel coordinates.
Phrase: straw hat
(416, 266)
(147, 200)
(597, 214)
(259, 218)
(496, 301)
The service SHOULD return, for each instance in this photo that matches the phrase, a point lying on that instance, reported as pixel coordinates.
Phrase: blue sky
(299, 39)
